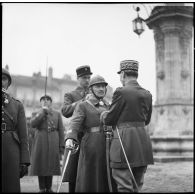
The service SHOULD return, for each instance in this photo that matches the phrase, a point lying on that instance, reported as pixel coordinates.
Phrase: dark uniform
(70, 101)
(15, 149)
(48, 141)
(130, 110)
(91, 173)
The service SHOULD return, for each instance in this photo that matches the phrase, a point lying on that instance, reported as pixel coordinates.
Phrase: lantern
(138, 23)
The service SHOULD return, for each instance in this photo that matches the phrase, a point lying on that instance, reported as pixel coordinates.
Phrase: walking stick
(131, 173)
(64, 169)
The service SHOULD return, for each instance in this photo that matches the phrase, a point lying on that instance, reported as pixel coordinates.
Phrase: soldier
(48, 144)
(70, 101)
(15, 151)
(130, 112)
(91, 174)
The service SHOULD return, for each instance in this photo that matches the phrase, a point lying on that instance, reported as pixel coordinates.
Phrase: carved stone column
(173, 109)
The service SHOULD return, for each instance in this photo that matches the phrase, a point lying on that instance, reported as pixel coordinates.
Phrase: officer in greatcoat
(48, 144)
(130, 112)
(15, 148)
(71, 99)
(91, 173)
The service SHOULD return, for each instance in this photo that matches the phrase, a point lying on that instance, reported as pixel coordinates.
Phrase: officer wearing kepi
(70, 101)
(15, 148)
(129, 113)
(48, 144)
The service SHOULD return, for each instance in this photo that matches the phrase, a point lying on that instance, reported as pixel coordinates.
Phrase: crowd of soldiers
(106, 147)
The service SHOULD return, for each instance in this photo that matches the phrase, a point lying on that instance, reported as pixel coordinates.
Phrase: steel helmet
(97, 80)
(6, 72)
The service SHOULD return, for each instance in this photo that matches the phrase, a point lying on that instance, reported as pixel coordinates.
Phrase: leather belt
(94, 129)
(131, 124)
(5, 129)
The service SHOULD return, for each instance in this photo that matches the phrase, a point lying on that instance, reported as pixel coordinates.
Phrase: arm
(37, 118)
(111, 117)
(76, 122)
(149, 112)
(68, 106)
(23, 136)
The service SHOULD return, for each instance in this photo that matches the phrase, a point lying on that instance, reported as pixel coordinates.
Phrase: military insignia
(101, 103)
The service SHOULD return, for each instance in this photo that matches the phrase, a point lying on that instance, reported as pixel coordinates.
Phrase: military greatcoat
(91, 173)
(130, 110)
(48, 138)
(67, 110)
(15, 149)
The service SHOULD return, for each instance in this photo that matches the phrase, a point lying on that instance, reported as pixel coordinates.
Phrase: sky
(71, 35)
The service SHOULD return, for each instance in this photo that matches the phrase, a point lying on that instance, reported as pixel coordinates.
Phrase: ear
(122, 74)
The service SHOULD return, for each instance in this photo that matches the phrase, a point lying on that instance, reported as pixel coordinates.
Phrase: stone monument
(172, 118)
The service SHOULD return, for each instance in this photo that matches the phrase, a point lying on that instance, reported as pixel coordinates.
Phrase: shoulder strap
(8, 114)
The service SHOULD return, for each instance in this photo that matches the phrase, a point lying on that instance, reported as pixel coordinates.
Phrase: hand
(23, 170)
(72, 145)
(69, 144)
(45, 109)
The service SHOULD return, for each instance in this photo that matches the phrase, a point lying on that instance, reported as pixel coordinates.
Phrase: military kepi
(83, 70)
(128, 66)
(47, 97)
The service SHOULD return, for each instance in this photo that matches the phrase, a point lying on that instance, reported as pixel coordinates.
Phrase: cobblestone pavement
(160, 178)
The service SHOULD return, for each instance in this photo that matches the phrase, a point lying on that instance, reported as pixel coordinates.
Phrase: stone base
(172, 158)
(171, 149)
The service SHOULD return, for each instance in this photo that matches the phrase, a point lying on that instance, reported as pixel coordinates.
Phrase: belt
(131, 124)
(5, 129)
(93, 129)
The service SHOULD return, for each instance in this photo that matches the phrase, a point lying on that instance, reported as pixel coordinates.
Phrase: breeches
(124, 179)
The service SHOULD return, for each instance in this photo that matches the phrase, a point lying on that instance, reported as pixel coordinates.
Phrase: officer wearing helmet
(91, 175)
(15, 146)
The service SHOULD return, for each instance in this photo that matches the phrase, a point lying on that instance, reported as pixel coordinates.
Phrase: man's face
(46, 102)
(5, 81)
(84, 80)
(99, 90)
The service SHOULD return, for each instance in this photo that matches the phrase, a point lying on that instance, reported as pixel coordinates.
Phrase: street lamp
(138, 23)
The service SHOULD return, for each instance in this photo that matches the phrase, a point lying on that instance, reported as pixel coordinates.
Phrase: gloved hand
(45, 110)
(23, 170)
(72, 145)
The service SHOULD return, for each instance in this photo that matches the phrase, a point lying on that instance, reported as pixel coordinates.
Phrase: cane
(126, 159)
(64, 169)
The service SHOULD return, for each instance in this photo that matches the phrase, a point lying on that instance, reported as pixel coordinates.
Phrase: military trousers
(124, 180)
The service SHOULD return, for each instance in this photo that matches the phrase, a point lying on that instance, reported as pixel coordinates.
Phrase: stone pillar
(173, 109)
